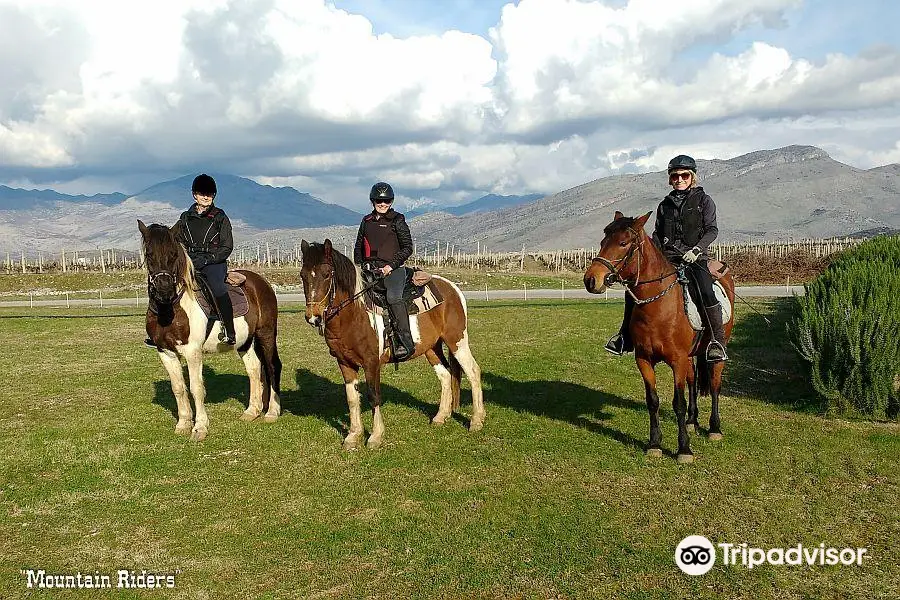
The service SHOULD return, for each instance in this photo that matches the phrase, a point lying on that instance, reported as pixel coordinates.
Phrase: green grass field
(553, 499)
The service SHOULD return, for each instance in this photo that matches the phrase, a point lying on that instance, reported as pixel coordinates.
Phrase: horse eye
(623, 243)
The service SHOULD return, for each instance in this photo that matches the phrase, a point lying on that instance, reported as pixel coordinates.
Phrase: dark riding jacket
(685, 221)
(206, 236)
(383, 240)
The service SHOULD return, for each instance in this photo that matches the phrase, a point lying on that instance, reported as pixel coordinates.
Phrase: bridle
(330, 311)
(154, 294)
(636, 246)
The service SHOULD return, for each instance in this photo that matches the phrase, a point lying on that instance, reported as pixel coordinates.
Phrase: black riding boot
(226, 314)
(400, 318)
(621, 343)
(715, 352)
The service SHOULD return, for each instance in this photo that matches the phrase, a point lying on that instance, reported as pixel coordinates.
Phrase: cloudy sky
(447, 100)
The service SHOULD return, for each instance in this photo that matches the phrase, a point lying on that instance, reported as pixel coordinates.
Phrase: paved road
(753, 291)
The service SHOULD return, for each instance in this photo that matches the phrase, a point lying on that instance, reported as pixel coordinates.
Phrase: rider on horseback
(685, 227)
(205, 232)
(383, 244)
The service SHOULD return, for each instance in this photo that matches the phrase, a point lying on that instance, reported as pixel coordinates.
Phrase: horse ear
(642, 220)
(304, 246)
(327, 250)
(142, 227)
(618, 216)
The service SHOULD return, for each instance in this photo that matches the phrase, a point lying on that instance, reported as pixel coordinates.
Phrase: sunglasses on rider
(383, 201)
(682, 176)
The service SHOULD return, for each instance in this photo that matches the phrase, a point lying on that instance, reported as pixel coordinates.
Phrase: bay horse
(335, 304)
(179, 328)
(659, 328)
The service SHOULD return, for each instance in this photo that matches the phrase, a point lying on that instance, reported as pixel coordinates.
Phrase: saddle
(239, 303)
(420, 293)
(693, 299)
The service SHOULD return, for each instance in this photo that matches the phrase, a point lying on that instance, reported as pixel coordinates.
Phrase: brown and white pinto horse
(179, 329)
(659, 327)
(334, 290)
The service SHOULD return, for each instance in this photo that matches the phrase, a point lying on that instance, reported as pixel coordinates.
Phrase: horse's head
(616, 261)
(165, 262)
(318, 279)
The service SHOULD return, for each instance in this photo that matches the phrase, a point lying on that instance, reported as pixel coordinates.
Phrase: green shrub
(847, 331)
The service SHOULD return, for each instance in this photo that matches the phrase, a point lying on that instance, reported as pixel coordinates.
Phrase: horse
(178, 327)
(335, 304)
(659, 328)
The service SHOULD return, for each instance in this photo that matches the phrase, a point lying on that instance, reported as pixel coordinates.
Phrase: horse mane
(347, 276)
(161, 244)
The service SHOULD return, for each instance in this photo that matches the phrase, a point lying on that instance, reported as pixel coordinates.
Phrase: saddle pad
(238, 301)
(693, 313)
(430, 298)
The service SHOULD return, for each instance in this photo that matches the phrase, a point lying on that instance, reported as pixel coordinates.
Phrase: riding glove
(691, 255)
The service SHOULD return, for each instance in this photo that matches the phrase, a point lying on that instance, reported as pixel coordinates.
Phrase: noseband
(153, 293)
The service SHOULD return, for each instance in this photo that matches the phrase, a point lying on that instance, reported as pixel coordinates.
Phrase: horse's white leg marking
(194, 356)
(173, 366)
(254, 373)
(473, 372)
(444, 409)
(354, 437)
(377, 430)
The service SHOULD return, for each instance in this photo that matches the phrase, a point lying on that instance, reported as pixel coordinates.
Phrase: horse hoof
(685, 459)
(373, 443)
(198, 435)
(716, 437)
(476, 425)
(270, 418)
(246, 417)
(184, 428)
(351, 444)
(438, 420)
(654, 452)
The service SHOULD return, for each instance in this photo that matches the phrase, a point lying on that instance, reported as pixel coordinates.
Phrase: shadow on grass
(220, 387)
(763, 363)
(564, 401)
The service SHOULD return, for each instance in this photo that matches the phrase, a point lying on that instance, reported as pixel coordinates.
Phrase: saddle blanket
(693, 313)
(429, 298)
(238, 299)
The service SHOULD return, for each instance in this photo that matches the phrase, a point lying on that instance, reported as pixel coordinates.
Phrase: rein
(332, 311)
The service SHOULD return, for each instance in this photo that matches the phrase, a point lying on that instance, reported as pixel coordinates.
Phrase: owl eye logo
(695, 555)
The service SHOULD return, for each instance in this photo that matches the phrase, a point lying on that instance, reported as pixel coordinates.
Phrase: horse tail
(455, 378)
(702, 377)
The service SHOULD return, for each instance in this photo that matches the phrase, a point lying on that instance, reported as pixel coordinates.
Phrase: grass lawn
(553, 499)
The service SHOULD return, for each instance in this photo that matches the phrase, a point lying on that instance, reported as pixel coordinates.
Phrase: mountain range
(793, 192)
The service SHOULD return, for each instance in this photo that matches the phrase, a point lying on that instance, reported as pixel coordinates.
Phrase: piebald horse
(179, 328)
(659, 328)
(334, 292)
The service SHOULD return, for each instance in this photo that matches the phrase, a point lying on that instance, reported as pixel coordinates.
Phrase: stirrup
(715, 345)
(616, 345)
(225, 338)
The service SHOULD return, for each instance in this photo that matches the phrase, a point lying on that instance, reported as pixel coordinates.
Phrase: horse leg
(351, 386)
(679, 404)
(649, 375)
(255, 375)
(271, 362)
(693, 413)
(715, 384)
(173, 366)
(438, 362)
(463, 355)
(198, 390)
(373, 381)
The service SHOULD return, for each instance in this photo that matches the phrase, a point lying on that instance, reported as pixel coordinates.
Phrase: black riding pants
(700, 271)
(215, 277)
(395, 282)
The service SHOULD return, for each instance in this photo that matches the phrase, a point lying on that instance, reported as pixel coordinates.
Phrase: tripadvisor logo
(696, 555)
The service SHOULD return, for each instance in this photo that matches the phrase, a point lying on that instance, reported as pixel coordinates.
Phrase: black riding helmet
(683, 161)
(381, 191)
(204, 185)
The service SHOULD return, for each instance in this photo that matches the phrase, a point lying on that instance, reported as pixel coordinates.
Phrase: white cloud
(562, 92)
